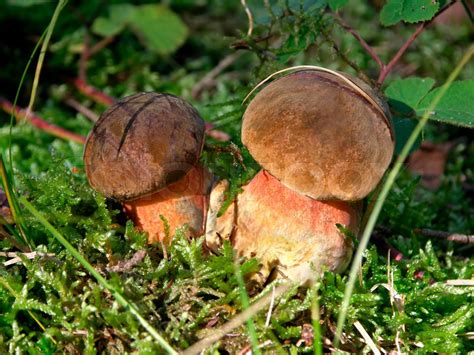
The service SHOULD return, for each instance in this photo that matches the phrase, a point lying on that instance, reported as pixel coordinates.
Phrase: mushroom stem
(181, 203)
(293, 233)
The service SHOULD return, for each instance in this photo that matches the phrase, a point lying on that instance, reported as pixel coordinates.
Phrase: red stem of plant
(386, 69)
(359, 38)
(93, 93)
(35, 120)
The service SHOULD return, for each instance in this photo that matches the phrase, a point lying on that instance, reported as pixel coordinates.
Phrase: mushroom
(144, 152)
(324, 141)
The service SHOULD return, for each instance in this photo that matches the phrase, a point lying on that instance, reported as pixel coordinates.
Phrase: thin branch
(93, 93)
(386, 69)
(208, 79)
(237, 321)
(359, 38)
(37, 121)
(87, 112)
(82, 73)
(104, 42)
(455, 237)
(346, 59)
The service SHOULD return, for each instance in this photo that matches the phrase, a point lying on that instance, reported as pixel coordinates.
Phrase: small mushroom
(324, 141)
(144, 152)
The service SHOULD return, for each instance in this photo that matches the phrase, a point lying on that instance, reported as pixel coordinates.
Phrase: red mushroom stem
(181, 203)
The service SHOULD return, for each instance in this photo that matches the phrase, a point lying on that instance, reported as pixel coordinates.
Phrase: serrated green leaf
(405, 94)
(336, 4)
(410, 11)
(159, 28)
(456, 106)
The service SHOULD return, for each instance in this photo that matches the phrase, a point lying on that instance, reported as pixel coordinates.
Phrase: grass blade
(384, 193)
(44, 47)
(118, 296)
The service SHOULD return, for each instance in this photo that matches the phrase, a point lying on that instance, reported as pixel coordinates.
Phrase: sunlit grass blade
(117, 295)
(6, 180)
(42, 54)
(384, 193)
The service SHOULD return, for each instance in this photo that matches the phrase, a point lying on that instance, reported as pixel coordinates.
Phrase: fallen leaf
(429, 162)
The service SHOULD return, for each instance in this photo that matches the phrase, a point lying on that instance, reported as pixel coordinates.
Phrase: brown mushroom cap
(141, 144)
(319, 135)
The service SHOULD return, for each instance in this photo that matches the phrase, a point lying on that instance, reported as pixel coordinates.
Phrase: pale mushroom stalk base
(292, 234)
(183, 203)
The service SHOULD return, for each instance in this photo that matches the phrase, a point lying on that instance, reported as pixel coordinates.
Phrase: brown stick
(91, 115)
(455, 237)
(235, 322)
(209, 77)
(38, 122)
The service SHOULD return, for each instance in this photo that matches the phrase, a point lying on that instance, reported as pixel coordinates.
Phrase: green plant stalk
(245, 305)
(7, 182)
(315, 318)
(118, 296)
(384, 193)
(42, 54)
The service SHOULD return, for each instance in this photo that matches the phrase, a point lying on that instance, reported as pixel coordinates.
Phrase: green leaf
(413, 96)
(159, 28)
(456, 106)
(119, 15)
(336, 4)
(410, 11)
(405, 94)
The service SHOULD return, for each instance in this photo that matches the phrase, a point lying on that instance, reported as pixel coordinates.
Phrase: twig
(455, 237)
(128, 265)
(385, 69)
(207, 80)
(270, 309)
(237, 321)
(460, 282)
(249, 15)
(367, 338)
(87, 112)
(88, 52)
(16, 259)
(38, 122)
(359, 38)
(346, 59)
(82, 73)
(93, 93)
(104, 42)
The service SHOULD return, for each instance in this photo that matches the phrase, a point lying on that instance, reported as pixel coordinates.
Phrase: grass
(95, 284)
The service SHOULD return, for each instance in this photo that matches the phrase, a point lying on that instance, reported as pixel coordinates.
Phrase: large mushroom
(144, 152)
(324, 141)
